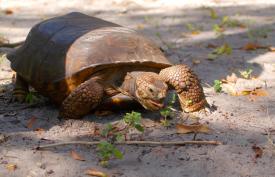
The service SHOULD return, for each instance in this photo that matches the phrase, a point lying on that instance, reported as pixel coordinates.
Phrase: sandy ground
(238, 122)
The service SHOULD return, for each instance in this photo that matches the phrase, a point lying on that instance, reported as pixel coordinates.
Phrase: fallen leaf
(253, 46)
(242, 26)
(259, 92)
(230, 89)
(250, 46)
(11, 167)
(244, 92)
(31, 122)
(3, 40)
(94, 172)
(195, 32)
(196, 61)
(140, 26)
(148, 123)
(193, 128)
(8, 11)
(39, 131)
(103, 113)
(230, 78)
(76, 156)
(258, 151)
(211, 45)
(272, 49)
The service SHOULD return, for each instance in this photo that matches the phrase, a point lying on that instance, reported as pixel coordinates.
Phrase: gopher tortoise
(79, 61)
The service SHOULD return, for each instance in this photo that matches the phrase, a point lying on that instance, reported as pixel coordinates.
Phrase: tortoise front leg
(21, 89)
(82, 100)
(187, 85)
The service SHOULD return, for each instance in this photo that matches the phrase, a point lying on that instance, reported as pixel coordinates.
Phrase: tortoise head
(150, 90)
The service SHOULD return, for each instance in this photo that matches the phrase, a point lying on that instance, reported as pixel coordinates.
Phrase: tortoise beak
(156, 104)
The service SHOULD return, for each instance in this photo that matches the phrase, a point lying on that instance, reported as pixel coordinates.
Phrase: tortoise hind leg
(82, 100)
(20, 90)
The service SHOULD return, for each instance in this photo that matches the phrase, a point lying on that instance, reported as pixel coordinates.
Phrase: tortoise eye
(151, 90)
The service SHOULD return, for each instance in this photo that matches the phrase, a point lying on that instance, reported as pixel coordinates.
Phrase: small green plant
(105, 132)
(133, 119)
(218, 30)
(213, 13)
(167, 112)
(217, 86)
(225, 49)
(229, 22)
(31, 98)
(107, 151)
(246, 73)
(193, 29)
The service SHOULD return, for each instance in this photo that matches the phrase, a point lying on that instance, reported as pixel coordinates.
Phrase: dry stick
(3, 111)
(11, 45)
(130, 143)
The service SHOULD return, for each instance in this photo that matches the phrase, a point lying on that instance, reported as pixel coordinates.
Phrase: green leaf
(120, 137)
(217, 86)
(117, 153)
(132, 118)
(190, 27)
(139, 127)
(31, 98)
(106, 130)
(165, 123)
(247, 73)
(213, 13)
(217, 28)
(173, 100)
(212, 56)
(165, 112)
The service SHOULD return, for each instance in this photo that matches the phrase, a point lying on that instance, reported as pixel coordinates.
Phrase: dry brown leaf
(272, 49)
(140, 26)
(76, 156)
(258, 151)
(148, 123)
(31, 122)
(103, 113)
(259, 92)
(3, 40)
(94, 172)
(193, 128)
(11, 167)
(232, 78)
(253, 46)
(196, 61)
(211, 46)
(242, 26)
(39, 131)
(250, 46)
(8, 11)
(244, 92)
(195, 32)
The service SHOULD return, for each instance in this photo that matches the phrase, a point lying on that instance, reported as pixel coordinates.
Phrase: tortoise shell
(62, 52)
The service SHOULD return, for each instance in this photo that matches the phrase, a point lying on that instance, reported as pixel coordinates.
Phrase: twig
(156, 143)
(3, 111)
(11, 45)
(4, 79)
